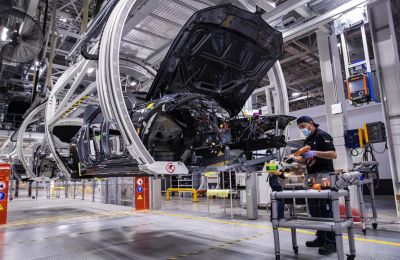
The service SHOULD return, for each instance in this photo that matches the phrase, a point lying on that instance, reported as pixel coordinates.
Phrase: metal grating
(157, 26)
(199, 4)
(135, 51)
(160, 26)
(174, 12)
(145, 39)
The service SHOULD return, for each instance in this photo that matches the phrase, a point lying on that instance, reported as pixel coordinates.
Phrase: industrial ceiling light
(295, 94)
(90, 70)
(133, 83)
(4, 34)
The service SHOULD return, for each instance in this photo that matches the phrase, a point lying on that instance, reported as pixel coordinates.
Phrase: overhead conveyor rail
(20, 139)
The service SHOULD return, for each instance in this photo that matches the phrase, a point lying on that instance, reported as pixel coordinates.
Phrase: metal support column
(388, 67)
(53, 42)
(85, 15)
(37, 190)
(66, 188)
(333, 87)
(83, 189)
(30, 188)
(74, 195)
(106, 197)
(93, 188)
(11, 188)
(332, 82)
(16, 188)
(231, 192)
(277, 80)
(251, 195)
(155, 193)
(268, 100)
(116, 191)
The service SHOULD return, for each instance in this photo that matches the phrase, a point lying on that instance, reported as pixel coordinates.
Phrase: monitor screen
(356, 85)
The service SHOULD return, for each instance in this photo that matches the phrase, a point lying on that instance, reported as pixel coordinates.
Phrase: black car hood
(222, 52)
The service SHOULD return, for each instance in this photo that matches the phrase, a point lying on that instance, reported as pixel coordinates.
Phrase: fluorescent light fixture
(4, 34)
(37, 63)
(63, 19)
(133, 83)
(296, 94)
(90, 70)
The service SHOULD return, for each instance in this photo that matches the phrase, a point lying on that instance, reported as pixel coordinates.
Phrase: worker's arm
(300, 159)
(330, 155)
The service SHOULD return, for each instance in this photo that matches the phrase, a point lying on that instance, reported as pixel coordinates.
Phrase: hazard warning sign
(142, 193)
(3, 185)
(170, 167)
(4, 179)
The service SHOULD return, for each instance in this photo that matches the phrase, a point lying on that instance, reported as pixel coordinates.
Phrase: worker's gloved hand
(309, 155)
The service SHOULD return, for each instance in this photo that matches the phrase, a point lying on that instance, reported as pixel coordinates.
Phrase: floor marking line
(67, 218)
(361, 239)
(73, 235)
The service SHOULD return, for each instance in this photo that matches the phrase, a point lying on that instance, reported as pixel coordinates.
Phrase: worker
(276, 183)
(318, 160)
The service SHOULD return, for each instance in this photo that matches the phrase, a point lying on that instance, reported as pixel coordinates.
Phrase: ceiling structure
(148, 38)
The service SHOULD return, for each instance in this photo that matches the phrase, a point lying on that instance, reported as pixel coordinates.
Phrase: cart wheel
(374, 225)
(364, 231)
(350, 257)
(277, 257)
(296, 250)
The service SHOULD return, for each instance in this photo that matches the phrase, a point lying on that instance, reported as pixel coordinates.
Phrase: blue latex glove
(309, 155)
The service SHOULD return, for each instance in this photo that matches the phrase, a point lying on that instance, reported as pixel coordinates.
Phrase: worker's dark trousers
(275, 185)
(322, 208)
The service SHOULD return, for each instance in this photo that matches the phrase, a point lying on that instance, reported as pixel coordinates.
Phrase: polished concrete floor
(77, 229)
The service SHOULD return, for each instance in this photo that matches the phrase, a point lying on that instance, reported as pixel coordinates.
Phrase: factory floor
(77, 229)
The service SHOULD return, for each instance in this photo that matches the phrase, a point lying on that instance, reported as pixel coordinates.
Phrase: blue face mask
(306, 132)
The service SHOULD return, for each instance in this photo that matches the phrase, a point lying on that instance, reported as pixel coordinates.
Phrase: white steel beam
(265, 4)
(277, 79)
(20, 139)
(387, 63)
(321, 20)
(283, 9)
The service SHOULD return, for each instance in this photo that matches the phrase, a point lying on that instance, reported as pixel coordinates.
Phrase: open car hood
(222, 52)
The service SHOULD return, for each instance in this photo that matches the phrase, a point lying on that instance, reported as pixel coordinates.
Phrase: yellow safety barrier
(218, 193)
(193, 191)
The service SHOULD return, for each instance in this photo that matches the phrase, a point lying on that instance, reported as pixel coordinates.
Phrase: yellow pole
(195, 196)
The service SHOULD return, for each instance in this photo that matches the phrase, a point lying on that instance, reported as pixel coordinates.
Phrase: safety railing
(118, 191)
(193, 191)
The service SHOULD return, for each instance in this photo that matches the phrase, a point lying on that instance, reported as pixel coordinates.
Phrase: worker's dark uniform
(322, 208)
(276, 183)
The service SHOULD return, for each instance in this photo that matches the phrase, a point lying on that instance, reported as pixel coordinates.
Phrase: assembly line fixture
(335, 224)
(367, 169)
